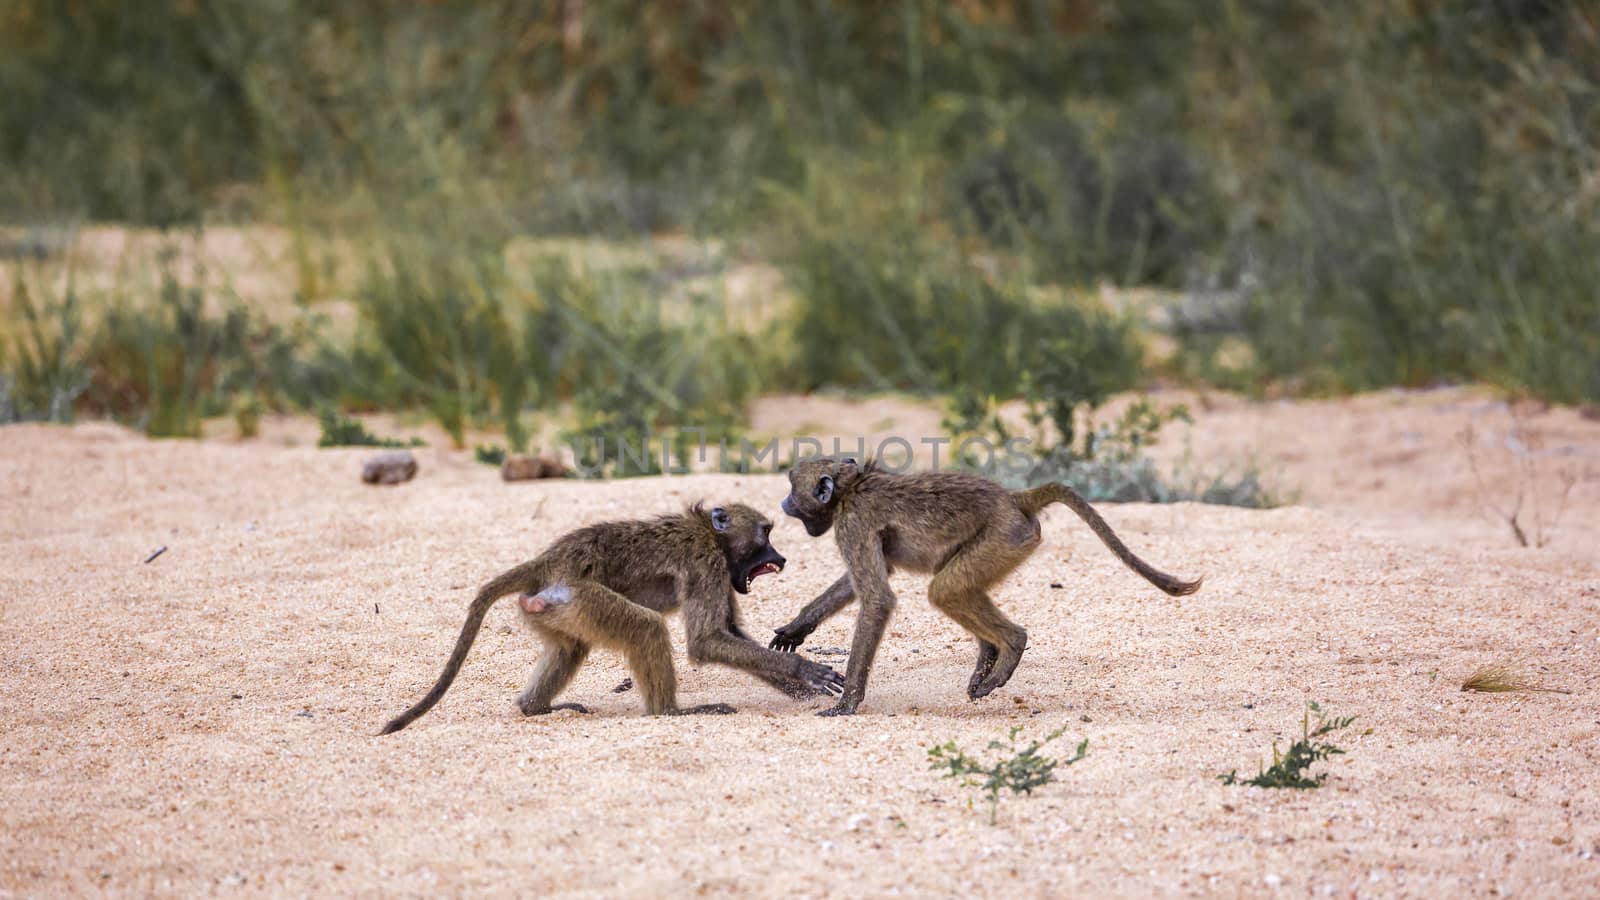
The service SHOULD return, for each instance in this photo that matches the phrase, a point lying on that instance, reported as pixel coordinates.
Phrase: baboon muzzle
(768, 562)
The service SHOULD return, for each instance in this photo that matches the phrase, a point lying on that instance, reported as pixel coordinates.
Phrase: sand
(205, 722)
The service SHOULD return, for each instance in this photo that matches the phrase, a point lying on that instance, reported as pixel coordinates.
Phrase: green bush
(169, 361)
(42, 370)
(641, 368)
(342, 431)
(438, 334)
(885, 302)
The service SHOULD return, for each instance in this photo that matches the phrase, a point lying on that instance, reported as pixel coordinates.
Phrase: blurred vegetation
(1335, 197)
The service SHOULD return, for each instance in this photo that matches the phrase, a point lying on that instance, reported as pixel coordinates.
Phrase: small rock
(523, 467)
(1056, 585)
(393, 467)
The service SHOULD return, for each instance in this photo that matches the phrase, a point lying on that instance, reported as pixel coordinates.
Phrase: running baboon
(609, 584)
(968, 531)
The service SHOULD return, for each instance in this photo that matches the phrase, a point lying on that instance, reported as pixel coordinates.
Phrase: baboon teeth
(765, 568)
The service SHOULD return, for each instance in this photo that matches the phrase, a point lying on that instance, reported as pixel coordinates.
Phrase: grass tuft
(1503, 678)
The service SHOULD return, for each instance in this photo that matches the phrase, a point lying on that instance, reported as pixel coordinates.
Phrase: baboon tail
(1035, 499)
(518, 579)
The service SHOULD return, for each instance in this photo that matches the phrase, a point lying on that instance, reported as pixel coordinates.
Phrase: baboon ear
(720, 520)
(824, 489)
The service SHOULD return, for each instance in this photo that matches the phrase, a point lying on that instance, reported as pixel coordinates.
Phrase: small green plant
(1016, 770)
(1288, 770)
(489, 454)
(342, 431)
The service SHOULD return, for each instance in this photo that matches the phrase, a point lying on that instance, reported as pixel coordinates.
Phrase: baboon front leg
(869, 577)
(561, 659)
(794, 675)
(838, 595)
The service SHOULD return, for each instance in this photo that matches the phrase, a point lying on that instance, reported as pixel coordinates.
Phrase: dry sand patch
(129, 766)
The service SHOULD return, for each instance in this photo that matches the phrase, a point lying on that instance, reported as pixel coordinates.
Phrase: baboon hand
(791, 636)
(820, 678)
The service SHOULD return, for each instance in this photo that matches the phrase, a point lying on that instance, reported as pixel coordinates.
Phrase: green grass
(1344, 198)
(342, 431)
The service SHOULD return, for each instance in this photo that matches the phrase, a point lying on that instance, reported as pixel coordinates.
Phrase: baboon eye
(824, 489)
(720, 520)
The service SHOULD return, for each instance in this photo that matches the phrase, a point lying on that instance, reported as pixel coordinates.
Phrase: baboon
(969, 532)
(609, 584)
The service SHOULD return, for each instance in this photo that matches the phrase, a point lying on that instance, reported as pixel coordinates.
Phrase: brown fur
(967, 531)
(609, 585)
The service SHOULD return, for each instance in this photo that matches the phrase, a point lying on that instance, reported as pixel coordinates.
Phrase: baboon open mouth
(766, 568)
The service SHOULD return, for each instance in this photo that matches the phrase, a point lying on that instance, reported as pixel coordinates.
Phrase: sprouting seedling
(1503, 677)
(1288, 769)
(1019, 771)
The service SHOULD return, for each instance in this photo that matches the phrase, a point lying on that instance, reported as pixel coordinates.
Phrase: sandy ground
(205, 723)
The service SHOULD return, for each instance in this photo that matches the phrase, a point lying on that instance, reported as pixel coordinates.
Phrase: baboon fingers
(822, 679)
(550, 708)
(791, 636)
(706, 709)
(987, 654)
(623, 686)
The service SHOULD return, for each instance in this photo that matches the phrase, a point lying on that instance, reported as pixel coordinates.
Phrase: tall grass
(1350, 197)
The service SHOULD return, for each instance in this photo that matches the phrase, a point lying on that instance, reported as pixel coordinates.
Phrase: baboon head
(815, 488)
(743, 534)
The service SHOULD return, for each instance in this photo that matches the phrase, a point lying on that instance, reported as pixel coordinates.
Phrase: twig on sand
(152, 557)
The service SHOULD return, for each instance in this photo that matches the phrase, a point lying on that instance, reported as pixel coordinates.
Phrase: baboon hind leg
(611, 620)
(561, 659)
(959, 590)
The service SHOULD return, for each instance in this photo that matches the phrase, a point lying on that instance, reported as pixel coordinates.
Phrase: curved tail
(519, 579)
(1038, 498)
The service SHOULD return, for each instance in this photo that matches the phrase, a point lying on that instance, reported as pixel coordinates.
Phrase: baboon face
(744, 535)
(814, 491)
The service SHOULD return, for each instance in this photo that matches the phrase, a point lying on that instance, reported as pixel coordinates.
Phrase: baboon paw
(1003, 668)
(791, 636)
(821, 678)
(987, 654)
(531, 710)
(840, 709)
(709, 709)
(623, 686)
